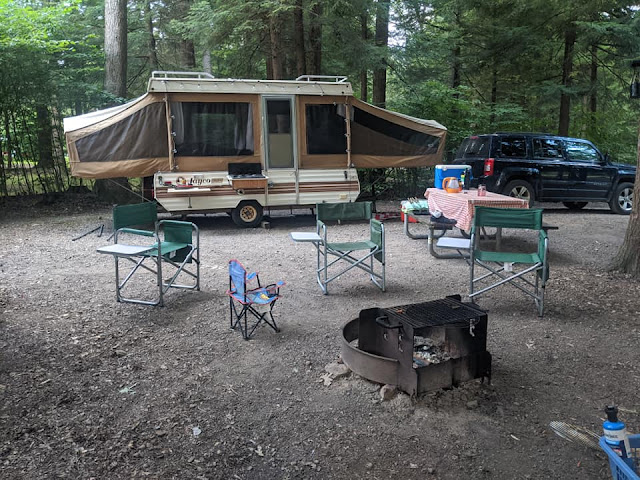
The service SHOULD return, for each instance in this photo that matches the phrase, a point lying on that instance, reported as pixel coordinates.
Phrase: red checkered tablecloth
(459, 206)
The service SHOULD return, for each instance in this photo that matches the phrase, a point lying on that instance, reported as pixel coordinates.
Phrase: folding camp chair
(134, 215)
(359, 254)
(176, 245)
(528, 272)
(244, 300)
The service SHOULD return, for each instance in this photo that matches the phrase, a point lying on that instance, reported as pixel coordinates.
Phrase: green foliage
(507, 57)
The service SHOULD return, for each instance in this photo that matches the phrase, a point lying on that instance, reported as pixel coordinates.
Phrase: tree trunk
(494, 93)
(116, 190)
(567, 68)
(8, 141)
(298, 38)
(115, 47)
(275, 29)
(364, 77)
(315, 39)
(45, 148)
(187, 54)
(381, 40)
(152, 50)
(206, 61)
(593, 97)
(455, 74)
(186, 50)
(455, 67)
(628, 258)
(269, 63)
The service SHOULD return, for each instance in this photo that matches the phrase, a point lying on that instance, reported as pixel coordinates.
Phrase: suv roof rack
(527, 133)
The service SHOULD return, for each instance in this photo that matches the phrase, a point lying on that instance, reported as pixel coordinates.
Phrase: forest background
(552, 66)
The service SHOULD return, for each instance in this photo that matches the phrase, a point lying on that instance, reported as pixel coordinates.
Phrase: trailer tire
(248, 214)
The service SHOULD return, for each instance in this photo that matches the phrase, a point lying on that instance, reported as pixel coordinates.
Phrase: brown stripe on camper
(221, 191)
(282, 188)
(308, 187)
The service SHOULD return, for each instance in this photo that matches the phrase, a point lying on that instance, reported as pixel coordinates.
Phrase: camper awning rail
(322, 78)
(171, 74)
(164, 82)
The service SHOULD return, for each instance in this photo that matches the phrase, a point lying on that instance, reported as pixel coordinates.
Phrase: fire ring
(419, 347)
(368, 365)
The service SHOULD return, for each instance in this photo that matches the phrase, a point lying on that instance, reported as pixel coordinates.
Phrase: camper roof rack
(323, 78)
(170, 74)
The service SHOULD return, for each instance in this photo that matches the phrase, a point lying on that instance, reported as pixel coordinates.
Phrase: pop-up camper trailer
(229, 145)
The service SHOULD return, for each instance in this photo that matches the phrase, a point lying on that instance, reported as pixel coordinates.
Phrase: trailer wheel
(247, 214)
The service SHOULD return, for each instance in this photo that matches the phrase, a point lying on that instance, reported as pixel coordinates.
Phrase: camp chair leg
(322, 269)
(241, 319)
(538, 290)
(139, 263)
(510, 279)
(180, 269)
(366, 264)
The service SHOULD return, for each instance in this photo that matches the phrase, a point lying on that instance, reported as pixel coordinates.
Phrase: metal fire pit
(419, 347)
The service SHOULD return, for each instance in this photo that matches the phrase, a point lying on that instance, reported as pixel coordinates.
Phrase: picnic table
(459, 206)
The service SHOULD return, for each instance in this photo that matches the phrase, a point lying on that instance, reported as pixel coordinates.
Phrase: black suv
(547, 168)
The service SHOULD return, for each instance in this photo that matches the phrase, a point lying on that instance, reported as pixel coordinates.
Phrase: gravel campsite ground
(92, 388)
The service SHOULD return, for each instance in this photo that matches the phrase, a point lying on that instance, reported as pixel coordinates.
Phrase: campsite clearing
(95, 389)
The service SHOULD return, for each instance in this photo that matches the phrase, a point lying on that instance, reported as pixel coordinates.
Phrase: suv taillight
(488, 167)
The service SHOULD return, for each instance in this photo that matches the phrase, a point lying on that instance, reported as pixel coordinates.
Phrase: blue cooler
(444, 171)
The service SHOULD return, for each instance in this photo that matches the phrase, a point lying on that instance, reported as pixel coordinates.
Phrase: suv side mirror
(607, 157)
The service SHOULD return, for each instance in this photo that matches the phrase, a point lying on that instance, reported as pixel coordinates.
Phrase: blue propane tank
(615, 433)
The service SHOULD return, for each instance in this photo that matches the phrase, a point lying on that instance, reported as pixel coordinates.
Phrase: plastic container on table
(620, 470)
(418, 207)
(444, 171)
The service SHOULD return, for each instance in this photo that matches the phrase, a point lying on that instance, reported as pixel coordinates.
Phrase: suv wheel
(520, 189)
(575, 205)
(622, 200)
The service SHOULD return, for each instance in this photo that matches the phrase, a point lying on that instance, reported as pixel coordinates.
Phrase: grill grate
(448, 312)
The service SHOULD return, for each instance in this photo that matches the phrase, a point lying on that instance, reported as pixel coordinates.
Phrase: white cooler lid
(452, 167)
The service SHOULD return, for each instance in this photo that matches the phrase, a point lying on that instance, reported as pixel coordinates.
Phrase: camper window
(212, 129)
(326, 130)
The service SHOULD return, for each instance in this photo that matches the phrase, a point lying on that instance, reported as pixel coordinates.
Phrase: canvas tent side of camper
(203, 125)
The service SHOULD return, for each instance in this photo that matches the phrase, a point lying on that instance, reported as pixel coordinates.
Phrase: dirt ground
(92, 388)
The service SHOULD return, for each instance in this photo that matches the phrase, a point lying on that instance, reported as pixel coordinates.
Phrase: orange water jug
(451, 185)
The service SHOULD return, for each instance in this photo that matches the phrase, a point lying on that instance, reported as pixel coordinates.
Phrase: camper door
(280, 160)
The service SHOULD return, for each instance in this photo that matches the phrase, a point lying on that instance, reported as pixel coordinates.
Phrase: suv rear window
(474, 147)
(513, 147)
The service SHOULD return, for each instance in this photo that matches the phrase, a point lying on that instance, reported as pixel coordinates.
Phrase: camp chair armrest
(543, 235)
(321, 230)
(135, 231)
(543, 245)
(274, 287)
